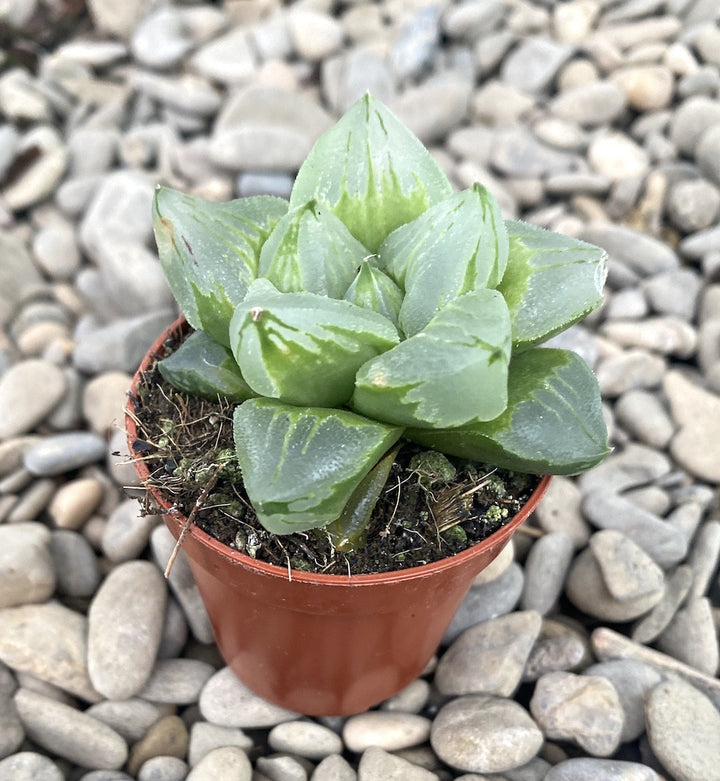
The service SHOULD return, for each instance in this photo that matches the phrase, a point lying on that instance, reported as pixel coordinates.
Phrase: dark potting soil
(431, 506)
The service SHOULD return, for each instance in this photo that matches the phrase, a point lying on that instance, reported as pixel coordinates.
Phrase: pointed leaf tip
(372, 172)
(203, 367)
(452, 372)
(311, 250)
(301, 465)
(209, 252)
(551, 282)
(305, 348)
(553, 423)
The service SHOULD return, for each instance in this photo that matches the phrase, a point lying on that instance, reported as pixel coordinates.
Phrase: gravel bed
(589, 650)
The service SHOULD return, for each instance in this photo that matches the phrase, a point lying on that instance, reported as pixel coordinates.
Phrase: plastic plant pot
(323, 644)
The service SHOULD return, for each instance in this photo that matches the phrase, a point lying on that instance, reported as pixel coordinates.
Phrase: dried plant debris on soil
(431, 507)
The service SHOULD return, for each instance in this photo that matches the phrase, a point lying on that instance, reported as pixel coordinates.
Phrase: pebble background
(589, 650)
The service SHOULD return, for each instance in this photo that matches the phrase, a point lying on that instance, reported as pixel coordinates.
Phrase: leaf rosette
(378, 305)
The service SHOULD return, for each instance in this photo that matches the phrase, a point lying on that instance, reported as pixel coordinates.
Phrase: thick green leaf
(304, 348)
(311, 250)
(301, 465)
(209, 252)
(456, 246)
(372, 172)
(203, 367)
(551, 282)
(553, 423)
(373, 289)
(347, 533)
(452, 372)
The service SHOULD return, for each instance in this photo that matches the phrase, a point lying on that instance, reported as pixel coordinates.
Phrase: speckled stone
(629, 370)
(696, 446)
(546, 567)
(283, 766)
(29, 766)
(125, 623)
(684, 731)
(580, 708)
(616, 156)
(31, 389)
(587, 589)
(687, 517)
(665, 334)
(227, 762)
(488, 600)
(48, 641)
(691, 119)
(627, 570)
(292, 120)
(533, 64)
(227, 702)
(645, 417)
(558, 647)
(489, 658)
(379, 765)
(691, 637)
(163, 768)
(175, 632)
(482, 734)
(74, 502)
(177, 681)
(663, 542)
(130, 718)
(35, 580)
(78, 572)
(69, 733)
(12, 733)
(608, 644)
(127, 531)
(204, 737)
(497, 566)
(386, 730)
(336, 768)
(703, 557)
(677, 587)
(646, 87)
(586, 769)
(560, 511)
(633, 680)
(589, 104)
(305, 739)
(120, 209)
(32, 501)
(182, 583)
(63, 453)
(411, 699)
(103, 401)
(166, 738)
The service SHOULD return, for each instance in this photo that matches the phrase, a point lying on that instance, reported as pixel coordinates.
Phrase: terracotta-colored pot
(324, 644)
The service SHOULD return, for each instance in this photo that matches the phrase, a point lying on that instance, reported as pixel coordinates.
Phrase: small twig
(483, 482)
(131, 414)
(386, 530)
(191, 518)
(287, 559)
(531, 531)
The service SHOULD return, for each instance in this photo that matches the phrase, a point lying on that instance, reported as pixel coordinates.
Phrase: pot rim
(498, 538)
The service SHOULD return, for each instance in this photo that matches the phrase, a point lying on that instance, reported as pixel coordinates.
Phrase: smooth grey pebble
(488, 600)
(65, 452)
(29, 766)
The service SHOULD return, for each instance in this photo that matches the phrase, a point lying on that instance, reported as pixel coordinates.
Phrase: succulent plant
(377, 304)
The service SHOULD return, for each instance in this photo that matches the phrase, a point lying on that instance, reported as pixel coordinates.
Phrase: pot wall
(326, 644)
(329, 645)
